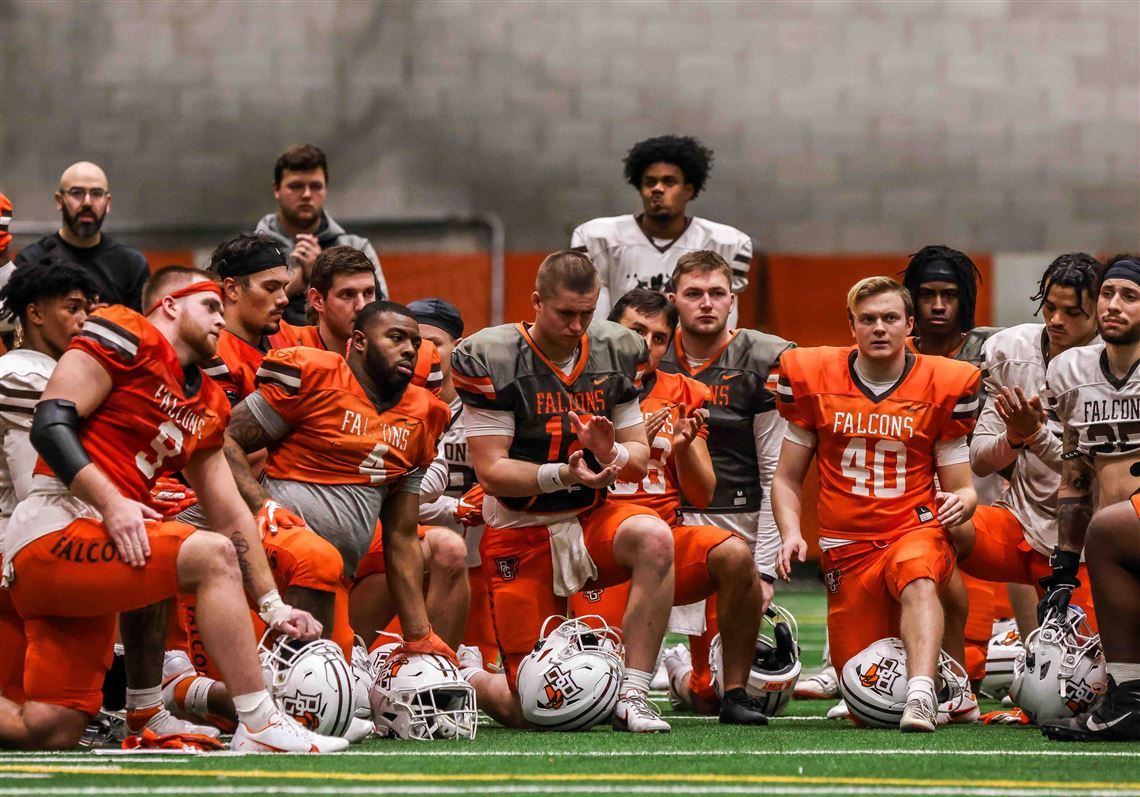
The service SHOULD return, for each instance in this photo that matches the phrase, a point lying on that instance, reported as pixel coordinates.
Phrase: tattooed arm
(246, 433)
(1075, 509)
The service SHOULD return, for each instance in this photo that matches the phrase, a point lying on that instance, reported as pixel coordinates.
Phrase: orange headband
(205, 286)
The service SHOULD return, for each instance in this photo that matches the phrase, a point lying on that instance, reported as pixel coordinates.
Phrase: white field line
(440, 752)
(351, 791)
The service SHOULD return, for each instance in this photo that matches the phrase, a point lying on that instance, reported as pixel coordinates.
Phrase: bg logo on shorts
(507, 567)
(831, 578)
(592, 595)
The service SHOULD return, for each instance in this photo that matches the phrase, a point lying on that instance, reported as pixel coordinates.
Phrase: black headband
(1123, 270)
(938, 271)
(260, 258)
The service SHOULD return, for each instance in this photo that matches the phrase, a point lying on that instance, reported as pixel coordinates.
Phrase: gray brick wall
(854, 126)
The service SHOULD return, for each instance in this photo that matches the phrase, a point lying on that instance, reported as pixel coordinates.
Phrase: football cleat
(839, 711)
(919, 716)
(961, 710)
(1001, 653)
(1116, 718)
(824, 685)
(162, 723)
(470, 657)
(635, 714)
(738, 707)
(678, 663)
(359, 729)
(283, 734)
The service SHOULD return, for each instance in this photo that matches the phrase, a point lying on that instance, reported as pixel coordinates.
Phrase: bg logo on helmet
(880, 677)
(306, 709)
(559, 688)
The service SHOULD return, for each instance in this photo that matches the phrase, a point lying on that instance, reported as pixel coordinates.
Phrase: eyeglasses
(78, 193)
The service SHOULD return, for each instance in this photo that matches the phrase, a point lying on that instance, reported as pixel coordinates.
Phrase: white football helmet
(570, 681)
(422, 696)
(1004, 648)
(362, 677)
(775, 667)
(1061, 670)
(309, 681)
(874, 683)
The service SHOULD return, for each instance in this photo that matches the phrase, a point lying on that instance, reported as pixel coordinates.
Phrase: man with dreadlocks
(1012, 540)
(641, 251)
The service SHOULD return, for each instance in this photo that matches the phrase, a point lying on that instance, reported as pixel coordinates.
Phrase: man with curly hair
(641, 251)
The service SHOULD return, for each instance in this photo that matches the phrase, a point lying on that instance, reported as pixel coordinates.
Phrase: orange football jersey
(429, 366)
(156, 416)
(660, 490)
(876, 456)
(337, 434)
(235, 366)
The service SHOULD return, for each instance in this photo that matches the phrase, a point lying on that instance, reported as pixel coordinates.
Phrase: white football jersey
(1015, 357)
(1086, 397)
(460, 479)
(627, 258)
(23, 376)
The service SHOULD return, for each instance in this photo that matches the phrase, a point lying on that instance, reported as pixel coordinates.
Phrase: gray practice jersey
(23, 376)
(1016, 357)
(1104, 411)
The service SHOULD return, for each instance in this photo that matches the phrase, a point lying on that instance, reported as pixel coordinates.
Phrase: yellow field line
(415, 777)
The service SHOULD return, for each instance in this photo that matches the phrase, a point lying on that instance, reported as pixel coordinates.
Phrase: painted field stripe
(73, 758)
(351, 791)
(588, 777)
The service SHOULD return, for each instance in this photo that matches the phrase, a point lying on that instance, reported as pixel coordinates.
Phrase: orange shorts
(372, 563)
(692, 546)
(69, 588)
(520, 576)
(12, 648)
(864, 581)
(480, 631)
(1002, 554)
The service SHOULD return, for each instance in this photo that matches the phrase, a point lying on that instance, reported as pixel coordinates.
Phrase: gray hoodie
(328, 234)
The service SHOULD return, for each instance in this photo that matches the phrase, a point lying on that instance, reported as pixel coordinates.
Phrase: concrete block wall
(838, 126)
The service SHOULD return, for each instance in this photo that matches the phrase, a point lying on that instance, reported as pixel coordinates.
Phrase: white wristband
(550, 477)
(619, 455)
(271, 609)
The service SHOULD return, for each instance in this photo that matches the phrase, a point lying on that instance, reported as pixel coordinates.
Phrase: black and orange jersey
(156, 415)
(876, 455)
(429, 366)
(501, 368)
(741, 379)
(660, 490)
(235, 365)
(336, 434)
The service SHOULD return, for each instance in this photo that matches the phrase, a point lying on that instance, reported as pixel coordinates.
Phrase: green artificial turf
(799, 754)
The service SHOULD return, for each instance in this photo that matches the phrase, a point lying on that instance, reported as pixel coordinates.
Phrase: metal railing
(409, 230)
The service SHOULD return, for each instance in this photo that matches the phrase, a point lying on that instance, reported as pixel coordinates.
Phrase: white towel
(688, 619)
(573, 566)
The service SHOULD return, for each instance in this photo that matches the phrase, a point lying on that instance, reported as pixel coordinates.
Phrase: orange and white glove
(431, 643)
(469, 510)
(170, 496)
(274, 517)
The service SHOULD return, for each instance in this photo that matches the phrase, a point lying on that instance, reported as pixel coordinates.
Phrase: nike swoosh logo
(1093, 725)
(726, 377)
(601, 379)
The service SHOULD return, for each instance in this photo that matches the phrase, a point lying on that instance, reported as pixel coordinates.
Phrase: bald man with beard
(83, 200)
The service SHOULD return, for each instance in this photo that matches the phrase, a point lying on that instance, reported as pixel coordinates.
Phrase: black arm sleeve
(55, 436)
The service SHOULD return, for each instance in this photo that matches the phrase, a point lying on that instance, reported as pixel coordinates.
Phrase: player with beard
(552, 419)
(641, 251)
(348, 443)
(1011, 541)
(1095, 394)
(303, 228)
(128, 403)
(84, 200)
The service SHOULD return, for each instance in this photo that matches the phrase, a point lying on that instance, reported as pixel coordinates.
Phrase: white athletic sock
(921, 685)
(1122, 671)
(636, 679)
(254, 709)
(142, 699)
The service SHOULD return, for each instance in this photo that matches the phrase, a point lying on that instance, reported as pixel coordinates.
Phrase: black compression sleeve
(55, 436)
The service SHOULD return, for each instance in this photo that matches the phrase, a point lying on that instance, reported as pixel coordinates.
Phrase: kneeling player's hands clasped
(951, 509)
